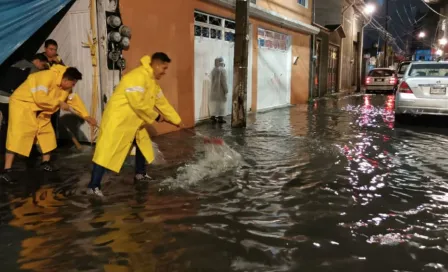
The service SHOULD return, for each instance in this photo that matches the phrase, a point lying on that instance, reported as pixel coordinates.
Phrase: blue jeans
(98, 171)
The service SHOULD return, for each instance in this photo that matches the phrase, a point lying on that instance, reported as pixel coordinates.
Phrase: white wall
(70, 34)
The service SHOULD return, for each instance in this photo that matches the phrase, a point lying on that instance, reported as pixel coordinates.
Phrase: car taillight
(393, 80)
(368, 80)
(404, 88)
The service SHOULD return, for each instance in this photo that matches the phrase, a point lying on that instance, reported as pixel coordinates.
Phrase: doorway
(333, 60)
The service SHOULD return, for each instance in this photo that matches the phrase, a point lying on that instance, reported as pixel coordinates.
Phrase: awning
(270, 16)
(19, 20)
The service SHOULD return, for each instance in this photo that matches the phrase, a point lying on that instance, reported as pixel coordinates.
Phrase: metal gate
(333, 60)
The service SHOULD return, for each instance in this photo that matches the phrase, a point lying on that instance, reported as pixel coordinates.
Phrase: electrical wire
(428, 6)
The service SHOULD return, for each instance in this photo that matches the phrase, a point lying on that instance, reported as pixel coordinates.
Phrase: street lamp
(369, 8)
(421, 34)
(443, 41)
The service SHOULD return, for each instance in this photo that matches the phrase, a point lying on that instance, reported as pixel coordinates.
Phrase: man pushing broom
(132, 105)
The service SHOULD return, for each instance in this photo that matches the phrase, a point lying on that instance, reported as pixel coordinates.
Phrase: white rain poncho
(219, 90)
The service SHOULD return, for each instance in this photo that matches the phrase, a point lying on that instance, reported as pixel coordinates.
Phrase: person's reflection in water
(219, 90)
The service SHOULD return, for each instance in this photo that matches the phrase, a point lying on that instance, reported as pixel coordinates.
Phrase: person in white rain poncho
(219, 90)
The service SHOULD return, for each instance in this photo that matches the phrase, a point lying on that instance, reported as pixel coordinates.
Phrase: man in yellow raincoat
(136, 101)
(30, 109)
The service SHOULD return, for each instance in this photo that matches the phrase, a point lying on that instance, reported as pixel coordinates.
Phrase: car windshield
(403, 68)
(381, 73)
(429, 70)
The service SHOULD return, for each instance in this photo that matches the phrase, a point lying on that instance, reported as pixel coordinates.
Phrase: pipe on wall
(361, 53)
(313, 53)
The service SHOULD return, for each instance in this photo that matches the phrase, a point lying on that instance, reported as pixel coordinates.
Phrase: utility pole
(240, 61)
(386, 60)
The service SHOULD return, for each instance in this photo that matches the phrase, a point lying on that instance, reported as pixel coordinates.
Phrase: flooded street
(334, 186)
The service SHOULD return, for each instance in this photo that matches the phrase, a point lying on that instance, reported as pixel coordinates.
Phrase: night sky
(403, 15)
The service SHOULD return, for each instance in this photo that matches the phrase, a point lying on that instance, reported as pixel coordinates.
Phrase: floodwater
(334, 186)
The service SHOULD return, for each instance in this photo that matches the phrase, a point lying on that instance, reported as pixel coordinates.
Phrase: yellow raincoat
(128, 110)
(30, 109)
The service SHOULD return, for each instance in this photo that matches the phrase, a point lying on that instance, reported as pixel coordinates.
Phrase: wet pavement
(335, 186)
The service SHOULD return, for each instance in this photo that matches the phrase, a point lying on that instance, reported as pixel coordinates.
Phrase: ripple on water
(336, 186)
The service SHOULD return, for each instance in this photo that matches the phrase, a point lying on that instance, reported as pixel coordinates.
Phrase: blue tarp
(20, 19)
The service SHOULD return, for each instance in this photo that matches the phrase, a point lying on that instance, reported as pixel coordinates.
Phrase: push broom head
(214, 141)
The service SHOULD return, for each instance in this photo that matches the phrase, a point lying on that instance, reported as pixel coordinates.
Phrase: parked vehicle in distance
(402, 67)
(423, 90)
(381, 79)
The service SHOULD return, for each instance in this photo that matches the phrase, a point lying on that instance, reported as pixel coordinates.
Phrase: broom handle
(72, 110)
(187, 129)
(74, 140)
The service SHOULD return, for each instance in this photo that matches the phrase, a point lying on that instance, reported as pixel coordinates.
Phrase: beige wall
(351, 26)
(159, 26)
(289, 8)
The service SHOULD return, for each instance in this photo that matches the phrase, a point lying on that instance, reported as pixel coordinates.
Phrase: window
(429, 70)
(303, 3)
(215, 20)
(229, 24)
(197, 31)
(381, 73)
(215, 34)
(205, 32)
(213, 27)
(403, 68)
(198, 17)
(230, 36)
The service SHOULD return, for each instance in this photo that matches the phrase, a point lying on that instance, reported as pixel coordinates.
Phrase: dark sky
(403, 15)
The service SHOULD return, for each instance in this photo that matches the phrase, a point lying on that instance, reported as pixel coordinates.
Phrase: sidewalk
(343, 93)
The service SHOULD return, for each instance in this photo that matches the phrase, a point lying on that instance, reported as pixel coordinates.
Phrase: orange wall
(158, 26)
(289, 8)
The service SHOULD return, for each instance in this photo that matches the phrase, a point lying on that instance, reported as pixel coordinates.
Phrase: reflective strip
(159, 95)
(135, 89)
(40, 88)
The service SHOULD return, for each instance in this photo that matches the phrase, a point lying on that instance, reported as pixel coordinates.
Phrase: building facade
(338, 47)
(195, 32)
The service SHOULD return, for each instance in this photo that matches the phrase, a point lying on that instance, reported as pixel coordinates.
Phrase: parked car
(423, 90)
(381, 79)
(402, 67)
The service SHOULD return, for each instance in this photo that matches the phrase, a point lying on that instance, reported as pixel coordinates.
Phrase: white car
(381, 79)
(422, 90)
(402, 67)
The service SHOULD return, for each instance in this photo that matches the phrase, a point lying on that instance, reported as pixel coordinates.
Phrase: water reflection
(331, 186)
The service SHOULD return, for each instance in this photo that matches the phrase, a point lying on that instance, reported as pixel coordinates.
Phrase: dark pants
(98, 171)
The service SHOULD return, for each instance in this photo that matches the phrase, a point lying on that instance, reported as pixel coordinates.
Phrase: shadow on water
(333, 186)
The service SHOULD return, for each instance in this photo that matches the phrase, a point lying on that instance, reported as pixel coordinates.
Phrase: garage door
(274, 69)
(214, 37)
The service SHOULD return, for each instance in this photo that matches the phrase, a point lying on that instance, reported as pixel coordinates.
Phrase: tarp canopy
(20, 19)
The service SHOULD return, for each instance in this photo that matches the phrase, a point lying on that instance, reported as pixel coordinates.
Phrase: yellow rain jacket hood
(131, 106)
(30, 109)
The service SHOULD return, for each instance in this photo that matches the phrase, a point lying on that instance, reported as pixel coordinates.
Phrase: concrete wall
(289, 8)
(352, 26)
(324, 38)
(160, 26)
(327, 12)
